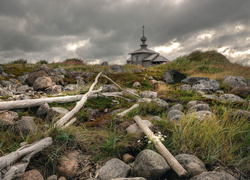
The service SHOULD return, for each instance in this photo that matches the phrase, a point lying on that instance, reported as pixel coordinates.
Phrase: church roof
(160, 58)
(144, 50)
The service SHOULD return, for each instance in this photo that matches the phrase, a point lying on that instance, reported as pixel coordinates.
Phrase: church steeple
(143, 39)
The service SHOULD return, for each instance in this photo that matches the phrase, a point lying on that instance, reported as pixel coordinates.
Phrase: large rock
(55, 113)
(148, 94)
(230, 98)
(31, 175)
(173, 113)
(242, 91)
(199, 107)
(8, 117)
(47, 72)
(200, 115)
(43, 110)
(150, 165)
(192, 164)
(161, 103)
(214, 176)
(25, 126)
(206, 86)
(172, 76)
(113, 168)
(42, 83)
(68, 165)
(240, 114)
(192, 80)
(233, 82)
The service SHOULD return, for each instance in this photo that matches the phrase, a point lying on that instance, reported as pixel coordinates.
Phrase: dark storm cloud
(44, 29)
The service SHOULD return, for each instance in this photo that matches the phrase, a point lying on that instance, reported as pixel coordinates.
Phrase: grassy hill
(222, 141)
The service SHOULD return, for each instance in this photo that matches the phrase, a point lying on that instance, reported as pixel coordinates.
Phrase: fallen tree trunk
(10, 170)
(174, 164)
(79, 104)
(128, 110)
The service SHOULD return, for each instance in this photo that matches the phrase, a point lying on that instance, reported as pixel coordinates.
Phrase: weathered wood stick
(14, 156)
(174, 164)
(79, 104)
(128, 110)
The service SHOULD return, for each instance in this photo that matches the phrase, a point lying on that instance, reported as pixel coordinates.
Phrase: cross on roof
(143, 27)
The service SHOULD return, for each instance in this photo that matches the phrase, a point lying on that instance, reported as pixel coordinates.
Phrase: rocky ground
(147, 164)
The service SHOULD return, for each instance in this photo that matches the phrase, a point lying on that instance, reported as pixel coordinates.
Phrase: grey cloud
(113, 27)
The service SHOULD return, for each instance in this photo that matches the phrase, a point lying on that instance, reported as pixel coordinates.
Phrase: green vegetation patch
(99, 103)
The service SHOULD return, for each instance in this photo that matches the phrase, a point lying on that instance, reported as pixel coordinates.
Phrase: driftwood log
(174, 164)
(10, 168)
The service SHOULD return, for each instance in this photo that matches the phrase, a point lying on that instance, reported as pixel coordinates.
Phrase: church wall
(146, 64)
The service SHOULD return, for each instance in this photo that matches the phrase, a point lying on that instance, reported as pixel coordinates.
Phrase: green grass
(219, 140)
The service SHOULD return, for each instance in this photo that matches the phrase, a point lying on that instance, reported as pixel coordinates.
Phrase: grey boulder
(172, 77)
(42, 83)
(213, 176)
(192, 80)
(148, 94)
(206, 86)
(25, 126)
(230, 98)
(150, 165)
(233, 82)
(113, 168)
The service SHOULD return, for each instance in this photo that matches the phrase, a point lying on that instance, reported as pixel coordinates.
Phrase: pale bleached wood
(79, 104)
(69, 123)
(174, 164)
(10, 170)
(120, 86)
(128, 110)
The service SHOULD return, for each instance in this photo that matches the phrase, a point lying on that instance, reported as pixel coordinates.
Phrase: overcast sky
(107, 30)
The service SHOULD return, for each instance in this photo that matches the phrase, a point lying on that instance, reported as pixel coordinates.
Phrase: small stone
(43, 110)
(230, 98)
(176, 107)
(31, 175)
(136, 84)
(110, 88)
(105, 63)
(52, 177)
(155, 118)
(193, 103)
(185, 87)
(68, 165)
(62, 178)
(148, 94)
(127, 158)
